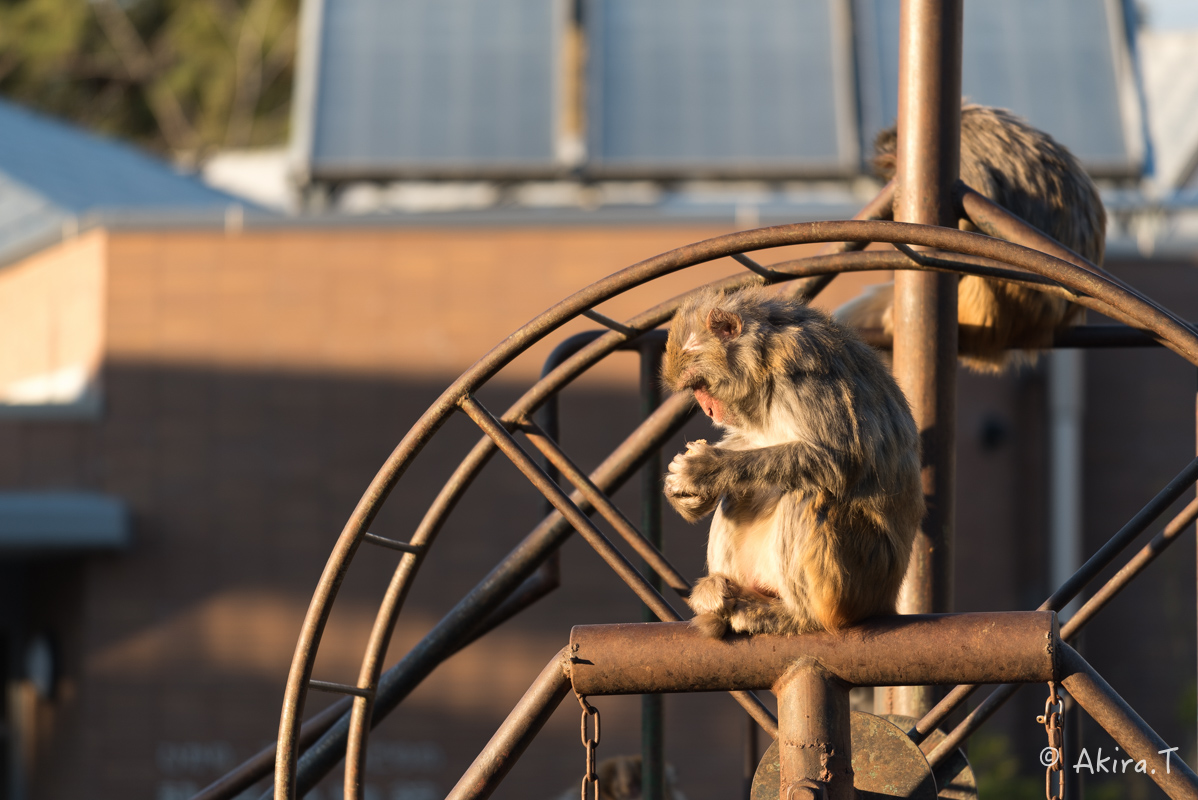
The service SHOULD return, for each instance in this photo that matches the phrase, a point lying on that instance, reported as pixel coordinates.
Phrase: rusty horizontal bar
(1017, 646)
(391, 544)
(1108, 709)
(516, 732)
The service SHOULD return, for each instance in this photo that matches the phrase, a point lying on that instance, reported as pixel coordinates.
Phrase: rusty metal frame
(928, 251)
(1090, 289)
(811, 675)
(976, 254)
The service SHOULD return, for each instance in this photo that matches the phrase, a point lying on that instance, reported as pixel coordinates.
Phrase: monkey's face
(697, 359)
(711, 406)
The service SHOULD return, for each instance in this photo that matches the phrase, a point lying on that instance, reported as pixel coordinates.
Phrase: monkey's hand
(686, 494)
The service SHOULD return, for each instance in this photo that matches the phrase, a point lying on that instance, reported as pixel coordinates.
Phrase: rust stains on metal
(887, 651)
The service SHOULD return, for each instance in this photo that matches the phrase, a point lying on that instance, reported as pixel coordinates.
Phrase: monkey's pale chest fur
(749, 529)
(745, 542)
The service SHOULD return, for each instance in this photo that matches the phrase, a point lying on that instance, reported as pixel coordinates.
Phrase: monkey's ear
(724, 324)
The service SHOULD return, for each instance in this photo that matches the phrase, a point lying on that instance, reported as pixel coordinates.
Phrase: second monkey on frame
(815, 486)
(1036, 178)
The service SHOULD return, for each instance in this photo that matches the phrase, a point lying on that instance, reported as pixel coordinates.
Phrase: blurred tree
(184, 77)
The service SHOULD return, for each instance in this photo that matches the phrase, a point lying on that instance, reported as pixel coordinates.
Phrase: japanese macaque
(1030, 174)
(815, 485)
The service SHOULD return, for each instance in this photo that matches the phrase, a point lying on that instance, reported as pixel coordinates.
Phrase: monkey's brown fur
(1030, 174)
(815, 485)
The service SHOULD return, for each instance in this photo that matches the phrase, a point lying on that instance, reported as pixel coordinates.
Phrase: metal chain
(1051, 720)
(591, 777)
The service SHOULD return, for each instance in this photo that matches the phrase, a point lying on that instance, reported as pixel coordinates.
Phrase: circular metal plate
(885, 764)
(954, 778)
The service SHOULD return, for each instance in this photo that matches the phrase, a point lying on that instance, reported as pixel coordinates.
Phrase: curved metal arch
(1107, 294)
(401, 678)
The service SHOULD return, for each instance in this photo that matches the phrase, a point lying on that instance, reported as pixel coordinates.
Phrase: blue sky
(1171, 14)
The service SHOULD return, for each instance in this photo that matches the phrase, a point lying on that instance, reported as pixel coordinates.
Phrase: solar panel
(1059, 63)
(756, 87)
(414, 87)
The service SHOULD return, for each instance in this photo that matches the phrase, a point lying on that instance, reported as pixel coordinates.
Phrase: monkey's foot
(758, 613)
(712, 625)
(712, 600)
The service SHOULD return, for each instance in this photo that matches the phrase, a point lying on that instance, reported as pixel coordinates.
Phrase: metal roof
(52, 173)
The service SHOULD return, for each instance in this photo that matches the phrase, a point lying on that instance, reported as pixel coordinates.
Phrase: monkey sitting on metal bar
(1036, 178)
(815, 486)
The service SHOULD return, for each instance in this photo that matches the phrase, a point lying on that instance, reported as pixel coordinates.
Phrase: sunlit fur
(815, 485)
(1030, 174)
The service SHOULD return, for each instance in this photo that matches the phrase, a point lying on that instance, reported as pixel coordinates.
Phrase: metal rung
(608, 322)
(341, 688)
(753, 266)
(391, 544)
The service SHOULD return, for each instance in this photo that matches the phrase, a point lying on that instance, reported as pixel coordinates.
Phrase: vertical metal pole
(653, 761)
(752, 756)
(1066, 408)
(814, 734)
(925, 305)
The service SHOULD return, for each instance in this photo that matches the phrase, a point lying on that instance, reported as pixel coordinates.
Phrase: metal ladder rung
(340, 688)
(608, 322)
(753, 266)
(391, 544)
